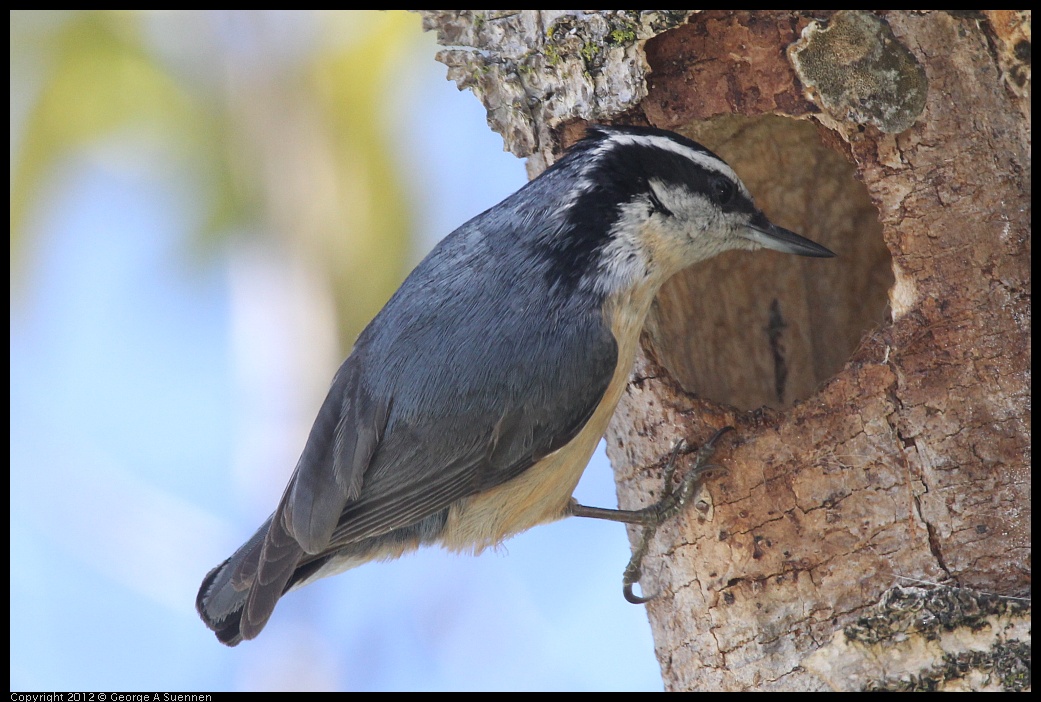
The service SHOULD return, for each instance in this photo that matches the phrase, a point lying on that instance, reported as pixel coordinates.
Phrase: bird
(468, 408)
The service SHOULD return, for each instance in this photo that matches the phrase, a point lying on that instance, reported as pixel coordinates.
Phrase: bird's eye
(723, 190)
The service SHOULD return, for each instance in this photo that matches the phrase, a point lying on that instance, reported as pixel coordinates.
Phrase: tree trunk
(872, 527)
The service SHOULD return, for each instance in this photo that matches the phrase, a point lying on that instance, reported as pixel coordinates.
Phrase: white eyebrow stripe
(706, 161)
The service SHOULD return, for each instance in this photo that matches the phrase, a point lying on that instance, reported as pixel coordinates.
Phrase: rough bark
(872, 526)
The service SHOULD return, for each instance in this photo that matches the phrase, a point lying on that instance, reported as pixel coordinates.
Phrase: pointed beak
(770, 236)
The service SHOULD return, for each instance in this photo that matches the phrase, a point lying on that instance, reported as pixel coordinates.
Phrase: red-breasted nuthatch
(470, 405)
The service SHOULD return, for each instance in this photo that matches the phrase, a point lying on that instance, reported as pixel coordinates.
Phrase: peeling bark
(878, 445)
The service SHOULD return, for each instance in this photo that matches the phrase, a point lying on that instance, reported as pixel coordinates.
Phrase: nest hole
(765, 328)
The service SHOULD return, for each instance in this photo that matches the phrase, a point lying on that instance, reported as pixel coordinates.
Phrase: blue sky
(139, 396)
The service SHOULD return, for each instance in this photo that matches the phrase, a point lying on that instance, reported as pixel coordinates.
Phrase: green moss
(623, 28)
(551, 54)
(622, 36)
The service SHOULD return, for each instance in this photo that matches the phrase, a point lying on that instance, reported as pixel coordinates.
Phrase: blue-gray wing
(465, 425)
(453, 389)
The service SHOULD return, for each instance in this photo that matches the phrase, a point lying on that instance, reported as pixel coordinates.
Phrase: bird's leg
(670, 504)
(671, 501)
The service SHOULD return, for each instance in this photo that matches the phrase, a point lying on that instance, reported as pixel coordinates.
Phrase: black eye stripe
(657, 203)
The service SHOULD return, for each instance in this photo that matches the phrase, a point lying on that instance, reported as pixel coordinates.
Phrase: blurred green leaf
(99, 76)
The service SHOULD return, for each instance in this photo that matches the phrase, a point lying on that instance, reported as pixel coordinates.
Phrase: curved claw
(711, 443)
(669, 505)
(633, 598)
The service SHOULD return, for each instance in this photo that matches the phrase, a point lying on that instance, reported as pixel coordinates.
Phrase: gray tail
(220, 605)
(237, 597)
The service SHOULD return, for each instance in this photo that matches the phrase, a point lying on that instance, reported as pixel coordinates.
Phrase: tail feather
(220, 605)
(237, 597)
(278, 561)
